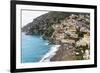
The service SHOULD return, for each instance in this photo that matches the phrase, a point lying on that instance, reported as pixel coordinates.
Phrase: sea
(35, 49)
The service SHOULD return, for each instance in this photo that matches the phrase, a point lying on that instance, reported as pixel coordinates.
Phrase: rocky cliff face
(43, 22)
(70, 30)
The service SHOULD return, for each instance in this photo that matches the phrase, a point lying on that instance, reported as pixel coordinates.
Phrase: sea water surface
(33, 48)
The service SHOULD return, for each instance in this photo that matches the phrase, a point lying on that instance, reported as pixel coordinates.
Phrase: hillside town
(73, 37)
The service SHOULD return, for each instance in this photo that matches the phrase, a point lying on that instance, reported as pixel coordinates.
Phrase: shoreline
(50, 54)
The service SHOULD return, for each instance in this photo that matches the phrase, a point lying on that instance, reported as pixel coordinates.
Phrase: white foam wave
(47, 43)
(50, 54)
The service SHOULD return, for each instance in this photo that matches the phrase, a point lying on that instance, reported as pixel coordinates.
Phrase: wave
(46, 43)
(50, 54)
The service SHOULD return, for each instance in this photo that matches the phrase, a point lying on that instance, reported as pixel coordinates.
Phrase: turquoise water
(33, 48)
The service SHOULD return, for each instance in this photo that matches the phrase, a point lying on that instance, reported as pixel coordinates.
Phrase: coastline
(50, 54)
